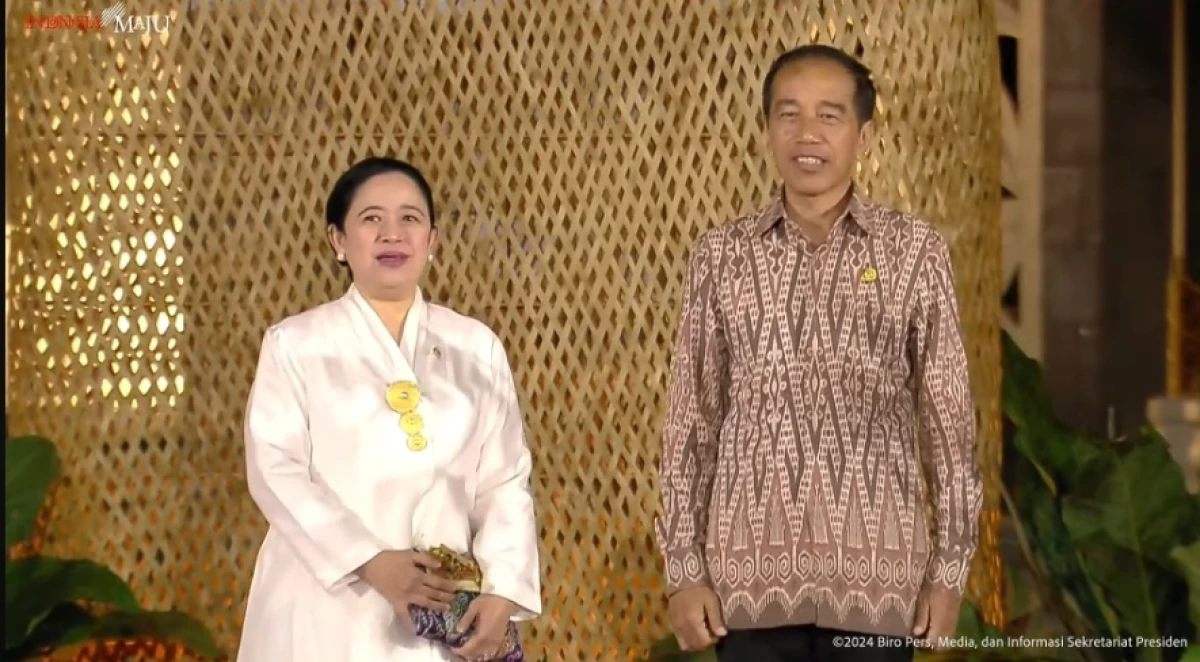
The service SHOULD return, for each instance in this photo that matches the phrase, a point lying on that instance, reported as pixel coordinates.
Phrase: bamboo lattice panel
(166, 196)
(1183, 323)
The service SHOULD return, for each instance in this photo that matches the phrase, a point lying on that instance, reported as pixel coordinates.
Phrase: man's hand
(937, 615)
(695, 615)
(490, 615)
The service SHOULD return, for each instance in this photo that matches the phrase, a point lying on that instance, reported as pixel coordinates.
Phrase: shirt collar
(858, 211)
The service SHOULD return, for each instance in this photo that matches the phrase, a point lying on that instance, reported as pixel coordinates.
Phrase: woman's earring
(341, 257)
(431, 257)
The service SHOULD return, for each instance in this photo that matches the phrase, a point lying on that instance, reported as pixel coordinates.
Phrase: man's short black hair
(864, 87)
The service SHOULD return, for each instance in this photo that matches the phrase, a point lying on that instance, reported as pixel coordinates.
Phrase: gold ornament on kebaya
(403, 398)
(417, 443)
(412, 423)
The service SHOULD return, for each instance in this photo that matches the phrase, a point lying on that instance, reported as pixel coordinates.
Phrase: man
(816, 337)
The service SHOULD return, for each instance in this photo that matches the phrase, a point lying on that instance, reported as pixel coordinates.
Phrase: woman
(378, 425)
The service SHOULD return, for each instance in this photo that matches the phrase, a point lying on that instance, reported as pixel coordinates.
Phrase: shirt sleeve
(947, 421)
(696, 408)
(503, 517)
(330, 539)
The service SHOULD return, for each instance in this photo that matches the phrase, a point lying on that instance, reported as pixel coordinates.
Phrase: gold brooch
(869, 275)
(403, 398)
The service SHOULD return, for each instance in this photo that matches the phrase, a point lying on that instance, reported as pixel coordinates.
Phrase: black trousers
(809, 643)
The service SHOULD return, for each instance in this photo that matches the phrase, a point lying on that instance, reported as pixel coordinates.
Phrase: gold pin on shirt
(869, 275)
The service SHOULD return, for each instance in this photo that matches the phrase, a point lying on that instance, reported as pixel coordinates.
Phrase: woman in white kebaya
(380, 424)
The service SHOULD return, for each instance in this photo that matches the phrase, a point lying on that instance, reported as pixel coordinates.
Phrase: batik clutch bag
(439, 626)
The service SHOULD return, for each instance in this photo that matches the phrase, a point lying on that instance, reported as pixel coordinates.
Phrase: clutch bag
(440, 627)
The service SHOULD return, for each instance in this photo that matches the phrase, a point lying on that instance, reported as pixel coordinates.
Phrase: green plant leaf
(1103, 518)
(1024, 397)
(1039, 514)
(667, 650)
(1064, 458)
(31, 466)
(1140, 503)
(69, 624)
(1187, 559)
(65, 625)
(971, 625)
(172, 626)
(35, 586)
(1126, 527)
(978, 641)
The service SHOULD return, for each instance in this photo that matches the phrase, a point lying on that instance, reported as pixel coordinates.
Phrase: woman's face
(388, 239)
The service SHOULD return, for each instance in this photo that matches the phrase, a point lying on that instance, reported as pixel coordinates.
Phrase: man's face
(813, 130)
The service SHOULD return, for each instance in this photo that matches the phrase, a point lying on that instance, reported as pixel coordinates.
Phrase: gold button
(403, 397)
(417, 443)
(412, 423)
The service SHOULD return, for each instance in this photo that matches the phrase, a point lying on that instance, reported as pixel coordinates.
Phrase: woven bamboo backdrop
(165, 198)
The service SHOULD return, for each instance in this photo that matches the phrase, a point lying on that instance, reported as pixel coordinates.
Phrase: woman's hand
(490, 614)
(406, 579)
